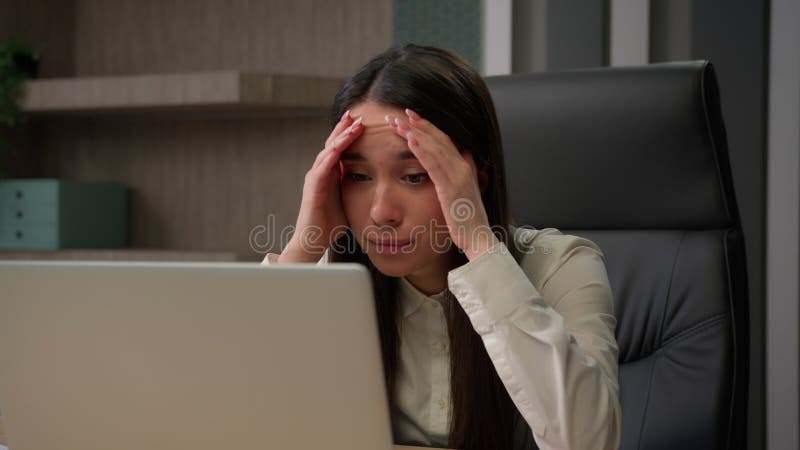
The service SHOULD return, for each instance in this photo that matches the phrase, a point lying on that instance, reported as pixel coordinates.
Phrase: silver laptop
(190, 356)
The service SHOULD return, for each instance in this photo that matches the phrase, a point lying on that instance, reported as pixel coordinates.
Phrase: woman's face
(387, 196)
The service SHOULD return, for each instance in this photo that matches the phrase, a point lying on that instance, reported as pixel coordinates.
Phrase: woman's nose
(385, 207)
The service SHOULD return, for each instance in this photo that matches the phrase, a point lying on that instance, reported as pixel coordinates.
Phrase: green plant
(18, 63)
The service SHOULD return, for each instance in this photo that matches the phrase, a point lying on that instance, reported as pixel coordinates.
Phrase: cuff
(491, 287)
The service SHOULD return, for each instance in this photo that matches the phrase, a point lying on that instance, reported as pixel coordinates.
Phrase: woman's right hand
(321, 219)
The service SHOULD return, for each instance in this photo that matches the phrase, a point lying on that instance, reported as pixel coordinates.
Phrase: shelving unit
(203, 92)
(126, 255)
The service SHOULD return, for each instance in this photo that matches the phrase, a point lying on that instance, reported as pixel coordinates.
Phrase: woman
(493, 336)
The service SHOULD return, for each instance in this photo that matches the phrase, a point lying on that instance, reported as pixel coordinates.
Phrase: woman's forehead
(378, 148)
(374, 111)
(378, 141)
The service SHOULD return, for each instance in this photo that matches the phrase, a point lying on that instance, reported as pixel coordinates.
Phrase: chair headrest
(616, 148)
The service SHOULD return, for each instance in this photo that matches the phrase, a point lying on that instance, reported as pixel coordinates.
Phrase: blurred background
(208, 113)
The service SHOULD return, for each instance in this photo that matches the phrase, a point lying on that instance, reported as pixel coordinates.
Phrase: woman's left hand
(455, 177)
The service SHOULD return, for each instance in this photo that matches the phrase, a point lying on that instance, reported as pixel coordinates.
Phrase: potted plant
(18, 63)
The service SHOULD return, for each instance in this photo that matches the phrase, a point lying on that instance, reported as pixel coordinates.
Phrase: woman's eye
(417, 178)
(357, 176)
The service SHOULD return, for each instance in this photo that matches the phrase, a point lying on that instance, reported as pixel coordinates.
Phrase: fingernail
(397, 121)
(346, 113)
(411, 114)
(387, 119)
(408, 135)
(358, 121)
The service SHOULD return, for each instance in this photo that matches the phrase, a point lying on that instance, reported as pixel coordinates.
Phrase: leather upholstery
(636, 160)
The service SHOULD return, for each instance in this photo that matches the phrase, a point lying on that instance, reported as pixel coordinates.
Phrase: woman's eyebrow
(354, 156)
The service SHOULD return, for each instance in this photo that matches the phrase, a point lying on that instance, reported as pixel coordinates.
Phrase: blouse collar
(411, 298)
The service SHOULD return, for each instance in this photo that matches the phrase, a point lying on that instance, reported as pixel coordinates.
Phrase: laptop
(190, 356)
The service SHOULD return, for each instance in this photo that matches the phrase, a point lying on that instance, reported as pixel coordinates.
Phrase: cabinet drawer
(36, 236)
(23, 213)
(17, 193)
(54, 214)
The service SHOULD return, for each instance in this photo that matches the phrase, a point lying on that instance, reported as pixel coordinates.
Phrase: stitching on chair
(693, 330)
(669, 286)
(646, 402)
(705, 323)
(696, 328)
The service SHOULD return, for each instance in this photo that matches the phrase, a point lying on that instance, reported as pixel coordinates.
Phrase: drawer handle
(19, 234)
(19, 214)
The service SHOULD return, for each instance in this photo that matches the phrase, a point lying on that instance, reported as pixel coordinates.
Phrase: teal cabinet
(49, 214)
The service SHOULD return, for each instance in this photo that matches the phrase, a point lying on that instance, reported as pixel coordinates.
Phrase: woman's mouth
(390, 246)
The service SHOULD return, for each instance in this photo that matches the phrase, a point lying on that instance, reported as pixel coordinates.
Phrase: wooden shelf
(126, 255)
(224, 91)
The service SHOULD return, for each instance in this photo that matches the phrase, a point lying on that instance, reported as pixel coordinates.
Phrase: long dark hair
(444, 89)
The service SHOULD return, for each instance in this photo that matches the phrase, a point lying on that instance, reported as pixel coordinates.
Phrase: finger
(417, 121)
(344, 122)
(435, 151)
(348, 135)
(431, 164)
(412, 115)
(438, 143)
(399, 127)
(341, 127)
(333, 154)
(444, 165)
(427, 137)
(341, 141)
(444, 152)
(392, 121)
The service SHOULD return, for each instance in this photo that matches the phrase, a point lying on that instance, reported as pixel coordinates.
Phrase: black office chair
(636, 160)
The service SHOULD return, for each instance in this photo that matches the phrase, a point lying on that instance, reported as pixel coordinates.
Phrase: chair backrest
(636, 160)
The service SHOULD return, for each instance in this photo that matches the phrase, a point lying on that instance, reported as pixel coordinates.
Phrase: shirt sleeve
(272, 258)
(550, 337)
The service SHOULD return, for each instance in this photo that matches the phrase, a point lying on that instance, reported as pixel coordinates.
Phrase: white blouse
(548, 327)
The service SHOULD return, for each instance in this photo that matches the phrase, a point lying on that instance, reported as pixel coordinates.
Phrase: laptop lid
(190, 356)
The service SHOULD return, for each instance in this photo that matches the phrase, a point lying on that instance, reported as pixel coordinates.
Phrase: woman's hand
(455, 177)
(321, 219)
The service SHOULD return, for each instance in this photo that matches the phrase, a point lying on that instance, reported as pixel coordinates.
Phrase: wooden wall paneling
(309, 37)
(18, 158)
(45, 24)
(195, 184)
